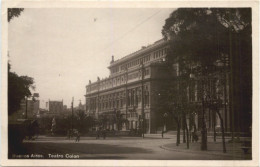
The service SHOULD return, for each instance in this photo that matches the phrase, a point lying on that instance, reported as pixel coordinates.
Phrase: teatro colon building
(129, 98)
(130, 92)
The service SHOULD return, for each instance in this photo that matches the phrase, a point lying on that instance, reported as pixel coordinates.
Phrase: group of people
(101, 132)
(194, 136)
(70, 135)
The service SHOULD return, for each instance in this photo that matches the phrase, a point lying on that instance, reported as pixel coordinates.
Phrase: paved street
(151, 147)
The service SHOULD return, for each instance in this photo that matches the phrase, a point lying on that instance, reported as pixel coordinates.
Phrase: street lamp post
(164, 121)
(164, 116)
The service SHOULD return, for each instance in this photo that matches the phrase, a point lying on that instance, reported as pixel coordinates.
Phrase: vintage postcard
(111, 83)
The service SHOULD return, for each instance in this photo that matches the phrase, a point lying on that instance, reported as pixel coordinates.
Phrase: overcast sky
(64, 48)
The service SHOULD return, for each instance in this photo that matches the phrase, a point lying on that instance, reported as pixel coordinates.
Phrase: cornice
(139, 52)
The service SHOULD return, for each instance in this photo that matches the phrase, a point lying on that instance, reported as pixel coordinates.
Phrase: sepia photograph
(125, 83)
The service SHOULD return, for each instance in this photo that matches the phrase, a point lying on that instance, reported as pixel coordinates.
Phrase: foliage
(201, 35)
(80, 121)
(45, 124)
(83, 122)
(18, 89)
(14, 12)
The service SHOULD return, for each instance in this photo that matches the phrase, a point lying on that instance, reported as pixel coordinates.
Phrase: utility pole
(72, 116)
(97, 102)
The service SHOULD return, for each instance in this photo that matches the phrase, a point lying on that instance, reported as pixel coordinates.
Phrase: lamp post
(164, 116)
(164, 121)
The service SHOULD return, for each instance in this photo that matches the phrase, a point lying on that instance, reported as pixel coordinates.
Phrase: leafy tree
(83, 122)
(18, 89)
(173, 100)
(45, 124)
(103, 120)
(14, 12)
(199, 37)
(18, 86)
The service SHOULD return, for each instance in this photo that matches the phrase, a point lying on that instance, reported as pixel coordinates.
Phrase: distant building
(81, 107)
(42, 113)
(65, 107)
(28, 111)
(55, 106)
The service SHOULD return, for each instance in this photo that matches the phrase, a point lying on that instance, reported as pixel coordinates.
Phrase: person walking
(162, 133)
(77, 137)
(98, 133)
(104, 134)
(68, 134)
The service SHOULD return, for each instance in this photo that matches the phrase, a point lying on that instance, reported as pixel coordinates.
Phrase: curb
(199, 152)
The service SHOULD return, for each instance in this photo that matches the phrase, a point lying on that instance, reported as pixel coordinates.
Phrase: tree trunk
(183, 130)
(178, 131)
(188, 136)
(184, 135)
(223, 133)
(215, 134)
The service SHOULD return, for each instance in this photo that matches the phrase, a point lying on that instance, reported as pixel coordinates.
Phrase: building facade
(131, 95)
(55, 106)
(130, 90)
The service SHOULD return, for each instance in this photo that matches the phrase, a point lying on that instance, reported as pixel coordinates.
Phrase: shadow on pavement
(45, 148)
(234, 150)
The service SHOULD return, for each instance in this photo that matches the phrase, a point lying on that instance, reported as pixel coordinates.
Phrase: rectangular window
(147, 72)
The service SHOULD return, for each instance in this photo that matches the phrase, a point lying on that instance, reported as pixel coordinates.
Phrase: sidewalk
(234, 150)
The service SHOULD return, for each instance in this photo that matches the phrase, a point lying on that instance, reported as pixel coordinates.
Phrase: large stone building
(134, 87)
(135, 76)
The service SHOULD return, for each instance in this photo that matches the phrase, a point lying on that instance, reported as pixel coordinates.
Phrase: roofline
(138, 52)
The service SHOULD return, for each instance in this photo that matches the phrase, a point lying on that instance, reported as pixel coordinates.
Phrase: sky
(64, 48)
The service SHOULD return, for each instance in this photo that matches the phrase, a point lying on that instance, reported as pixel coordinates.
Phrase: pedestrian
(195, 137)
(77, 137)
(97, 133)
(162, 133)
(68, 134)
(104, 134)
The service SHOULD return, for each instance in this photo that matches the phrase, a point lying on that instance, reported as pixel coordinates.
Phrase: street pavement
(152, 147)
